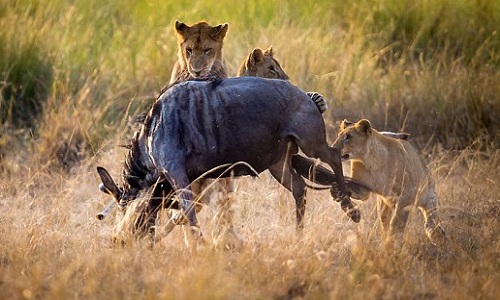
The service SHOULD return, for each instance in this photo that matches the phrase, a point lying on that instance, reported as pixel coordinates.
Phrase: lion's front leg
(428, 208)
(385, 212)
(225, 235)
(399, 219)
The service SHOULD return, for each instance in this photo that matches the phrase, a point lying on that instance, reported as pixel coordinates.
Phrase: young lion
(260, 63)
(200, 57)
(200, 51)
(392, 169)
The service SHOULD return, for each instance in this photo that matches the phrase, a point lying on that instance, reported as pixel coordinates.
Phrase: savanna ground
(72, 73)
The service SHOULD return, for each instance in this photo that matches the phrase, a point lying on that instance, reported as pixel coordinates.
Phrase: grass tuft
(73, 73)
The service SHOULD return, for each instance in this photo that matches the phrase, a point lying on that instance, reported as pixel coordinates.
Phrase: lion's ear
(220, 31)
(345, 124)
(269, 51)
(181, 28)
(364, 126)
(255, 57)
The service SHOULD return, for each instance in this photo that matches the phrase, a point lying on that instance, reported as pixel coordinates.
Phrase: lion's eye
(273, 70)
(347, 137)
(207, 51)
(189, 51)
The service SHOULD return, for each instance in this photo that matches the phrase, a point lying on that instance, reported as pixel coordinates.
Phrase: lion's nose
(196, 72)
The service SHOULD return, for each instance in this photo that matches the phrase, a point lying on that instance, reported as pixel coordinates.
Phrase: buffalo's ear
(220, 31)
(181, 28)
(345, 124)
(269, 51)
(255, 57)
(364, 126)
(108, 184)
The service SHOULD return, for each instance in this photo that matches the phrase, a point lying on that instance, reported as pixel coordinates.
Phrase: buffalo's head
(108, 186)
(139, 205)
(159, 193)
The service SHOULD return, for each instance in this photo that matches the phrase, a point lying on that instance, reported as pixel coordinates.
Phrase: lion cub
(260, 63)
(394, 171)
(200, 51)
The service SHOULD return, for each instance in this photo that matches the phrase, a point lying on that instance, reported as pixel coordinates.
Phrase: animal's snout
(197, 71)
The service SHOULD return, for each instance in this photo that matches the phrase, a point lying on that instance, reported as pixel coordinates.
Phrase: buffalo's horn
(106, 211)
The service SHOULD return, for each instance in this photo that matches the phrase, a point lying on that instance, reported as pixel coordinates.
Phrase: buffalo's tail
(318, 174)
(318, 100)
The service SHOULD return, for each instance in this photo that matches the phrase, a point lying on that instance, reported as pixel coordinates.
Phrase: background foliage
(72, 74)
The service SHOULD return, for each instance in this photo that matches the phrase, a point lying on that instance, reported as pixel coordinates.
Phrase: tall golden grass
(73, 73)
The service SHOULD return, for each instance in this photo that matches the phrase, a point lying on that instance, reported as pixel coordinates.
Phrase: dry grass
(54, 248)
(73, 72)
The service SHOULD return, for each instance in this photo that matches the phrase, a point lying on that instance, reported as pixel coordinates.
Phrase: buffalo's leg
(188, 205)
(178, 217)
(180, 183)
(331, 156)
(286, 175)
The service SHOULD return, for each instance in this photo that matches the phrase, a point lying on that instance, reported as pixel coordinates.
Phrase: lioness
(393, 170)
(200, 51)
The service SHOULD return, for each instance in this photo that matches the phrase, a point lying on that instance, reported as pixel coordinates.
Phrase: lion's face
(352, 140)
(262, 64)
(200, 46)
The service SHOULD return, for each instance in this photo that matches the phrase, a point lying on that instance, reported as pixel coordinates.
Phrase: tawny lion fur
(200, 56)
(393, 170)
(200, 51)
(260, 63)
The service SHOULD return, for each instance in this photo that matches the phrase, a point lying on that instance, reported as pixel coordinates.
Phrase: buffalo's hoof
(350, 210)
(354, 214)
(335, 191)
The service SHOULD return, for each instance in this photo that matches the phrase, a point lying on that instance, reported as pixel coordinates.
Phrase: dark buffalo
(196, 127)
